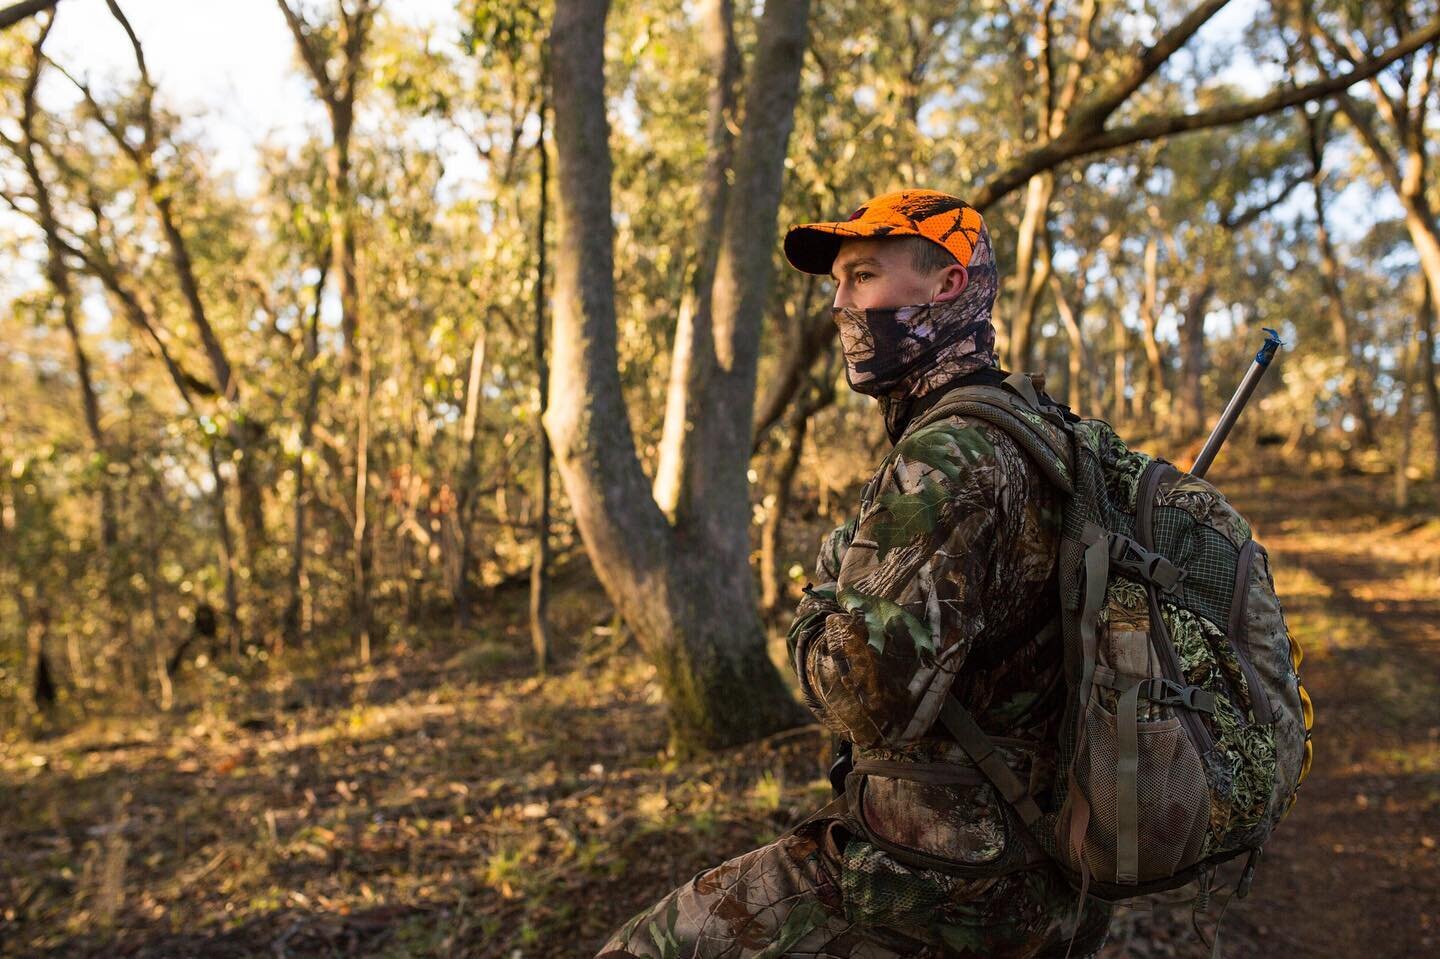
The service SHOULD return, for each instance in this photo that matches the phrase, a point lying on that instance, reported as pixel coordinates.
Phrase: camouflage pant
(823, 894)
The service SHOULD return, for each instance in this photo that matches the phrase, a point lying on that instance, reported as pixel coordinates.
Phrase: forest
(402, 512)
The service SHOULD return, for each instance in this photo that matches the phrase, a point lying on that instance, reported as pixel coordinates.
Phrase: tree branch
(14, 14)
(319, 71)
(1077, 142)
(1092, 116)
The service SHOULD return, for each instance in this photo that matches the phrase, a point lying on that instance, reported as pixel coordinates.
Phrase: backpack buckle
(1165, 692)
(1134, 560)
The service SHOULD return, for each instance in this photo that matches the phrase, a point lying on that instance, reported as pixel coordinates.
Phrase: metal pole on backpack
(1237, 402)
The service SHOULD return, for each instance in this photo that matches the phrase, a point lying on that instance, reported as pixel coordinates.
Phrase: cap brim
(811, 248)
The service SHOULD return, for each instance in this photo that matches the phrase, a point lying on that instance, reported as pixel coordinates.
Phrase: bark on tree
(1071, 317)
(1192, 417)
(1154, 390)
(360, 541)
(468, 494)
(684, 587)
(1032, 270)
(819, 394)
(1409, 368)
(692, 359)
(1426, 326)
(817, 332)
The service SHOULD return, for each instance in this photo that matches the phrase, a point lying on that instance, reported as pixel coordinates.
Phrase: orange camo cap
(945, 219)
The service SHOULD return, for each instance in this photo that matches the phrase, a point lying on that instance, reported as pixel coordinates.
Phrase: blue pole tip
(1268, 348)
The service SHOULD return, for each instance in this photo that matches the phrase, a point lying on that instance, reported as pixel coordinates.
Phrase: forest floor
(446, 802)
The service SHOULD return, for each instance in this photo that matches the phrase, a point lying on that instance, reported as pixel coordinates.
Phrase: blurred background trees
(298, 413)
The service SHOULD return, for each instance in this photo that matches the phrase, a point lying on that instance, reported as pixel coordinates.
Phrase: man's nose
(843, 297)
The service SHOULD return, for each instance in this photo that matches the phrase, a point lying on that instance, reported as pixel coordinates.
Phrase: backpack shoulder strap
(1014, 407)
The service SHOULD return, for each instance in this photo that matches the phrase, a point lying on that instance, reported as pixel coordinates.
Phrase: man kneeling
(922, 858)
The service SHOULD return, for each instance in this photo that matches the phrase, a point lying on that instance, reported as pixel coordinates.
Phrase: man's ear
(953, 281)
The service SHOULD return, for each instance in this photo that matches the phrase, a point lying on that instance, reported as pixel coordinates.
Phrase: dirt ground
(447, 803)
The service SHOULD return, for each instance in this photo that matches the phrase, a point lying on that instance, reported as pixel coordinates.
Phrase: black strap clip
(1132, 559)
(1165, 692)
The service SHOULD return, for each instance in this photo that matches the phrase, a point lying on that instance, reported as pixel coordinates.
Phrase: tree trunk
(686, 590)
(1032, 271)
(1118, 378)
(296, 621)
(540, 565)
(777, 504)
(1192, 361)
(820, 394)
(461, 582)
(1353, 386)
(1425, 340)
(360, 556)
(1076, 358)
(817, 331)
(227, 553)
(692, 359)
(1409, 367)
(1154, 389)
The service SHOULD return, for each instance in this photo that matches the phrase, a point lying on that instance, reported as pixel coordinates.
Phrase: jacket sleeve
(877, 652)
(832, 551)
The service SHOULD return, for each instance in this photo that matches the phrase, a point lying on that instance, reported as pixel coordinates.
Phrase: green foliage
(946, 447)
(941, 446)
(909, 515)
(883, 616)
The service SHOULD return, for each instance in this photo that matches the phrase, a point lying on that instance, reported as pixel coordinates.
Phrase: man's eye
(862, 277)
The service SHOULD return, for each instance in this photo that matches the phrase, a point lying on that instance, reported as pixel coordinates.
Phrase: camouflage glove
(818, 603)
(830, 642)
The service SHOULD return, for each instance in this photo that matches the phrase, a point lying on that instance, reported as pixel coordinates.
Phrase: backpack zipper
(1260, 706)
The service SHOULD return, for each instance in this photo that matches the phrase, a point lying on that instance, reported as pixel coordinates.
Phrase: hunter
(943, 585)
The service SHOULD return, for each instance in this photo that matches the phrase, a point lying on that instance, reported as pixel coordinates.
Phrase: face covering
(901, 354)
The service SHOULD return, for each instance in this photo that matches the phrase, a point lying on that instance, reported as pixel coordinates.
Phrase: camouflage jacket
(942, 585)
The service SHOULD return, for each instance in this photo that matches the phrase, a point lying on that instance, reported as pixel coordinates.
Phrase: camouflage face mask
(897, 351)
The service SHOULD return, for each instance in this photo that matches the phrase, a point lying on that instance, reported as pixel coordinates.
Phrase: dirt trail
(1355, 870)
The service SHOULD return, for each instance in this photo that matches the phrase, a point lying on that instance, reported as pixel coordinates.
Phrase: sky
(230, 63)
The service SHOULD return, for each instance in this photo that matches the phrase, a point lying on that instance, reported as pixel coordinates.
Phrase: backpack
(1186, 730)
